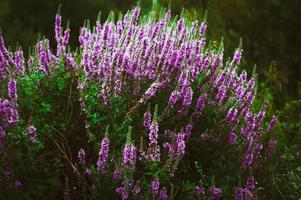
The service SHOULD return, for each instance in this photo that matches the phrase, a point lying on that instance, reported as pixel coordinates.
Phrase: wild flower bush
(144, 108)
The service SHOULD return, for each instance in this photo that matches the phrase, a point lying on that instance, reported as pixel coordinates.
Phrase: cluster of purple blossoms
(155, 186)
(199, 191)
(216, 193)
(136, 190)
(103, 154)
(32, 131)
(200, 105)
(81, 156)
(154, 148)
(18, 185)
(121, 191)
(147, 119)
(232, 138)
(176, 149)
(163, 194)
(8, 112)
(129, 155)
(12, 89)
(62, 39)
(272, 124)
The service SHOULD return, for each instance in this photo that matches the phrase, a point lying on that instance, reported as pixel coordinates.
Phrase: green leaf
(46, 107)
(201, 77)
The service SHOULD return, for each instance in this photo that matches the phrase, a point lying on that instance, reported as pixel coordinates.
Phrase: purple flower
(187, 99)
(239, 194)
(12, 89)
(180, 144)
(129, 155)
(103, 154)
(2, 132)
(8, 171)
(221, 94)
(199, 191)
(136, 190)
(117, 174)
(251, 83)
(147, 119)
(204, 136)
(232, 138)
(163, 194)
(135, 14)
(4, 66)
(155, 186)
(216, 193)
(88, 172)
(250, 184)
(153, 134)
(122, 192)
(30, 62)
(18, 185)
(151, 91)
(82, 156)
(200, 104)
(232, 113)
(8, 113)
(32, 131)
(237, 57)
(58, 27)
(188, 130)
(272, 124)
(249, 158)
(272, 147)
(19, 62)
(203, 29)
(70, 62)
(67, 195)
(174, 97)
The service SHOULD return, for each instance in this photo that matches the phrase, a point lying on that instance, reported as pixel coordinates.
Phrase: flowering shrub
(167, 115)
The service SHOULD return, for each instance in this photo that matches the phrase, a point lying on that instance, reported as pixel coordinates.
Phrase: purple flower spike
(19, 62)
(203, 29)
(58, 27)
(216, 192)
(155, 186)
(18, 185)
(250, 184)
(249, 158)
(82, 156)
(239, 194)
(129, 155)
(180, 144)
(272, 147)
(103, 154)
(32, 131)
(237, 57)
(136, 190)
(200, 105)
(147, 119)
(232, 138)
(117, 174)
(12, 89)
(163, 194)
(199, 191)
(122, 192)
(2, 132)
(272, 124)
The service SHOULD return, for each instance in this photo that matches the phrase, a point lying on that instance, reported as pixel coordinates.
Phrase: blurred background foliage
(271, 33)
